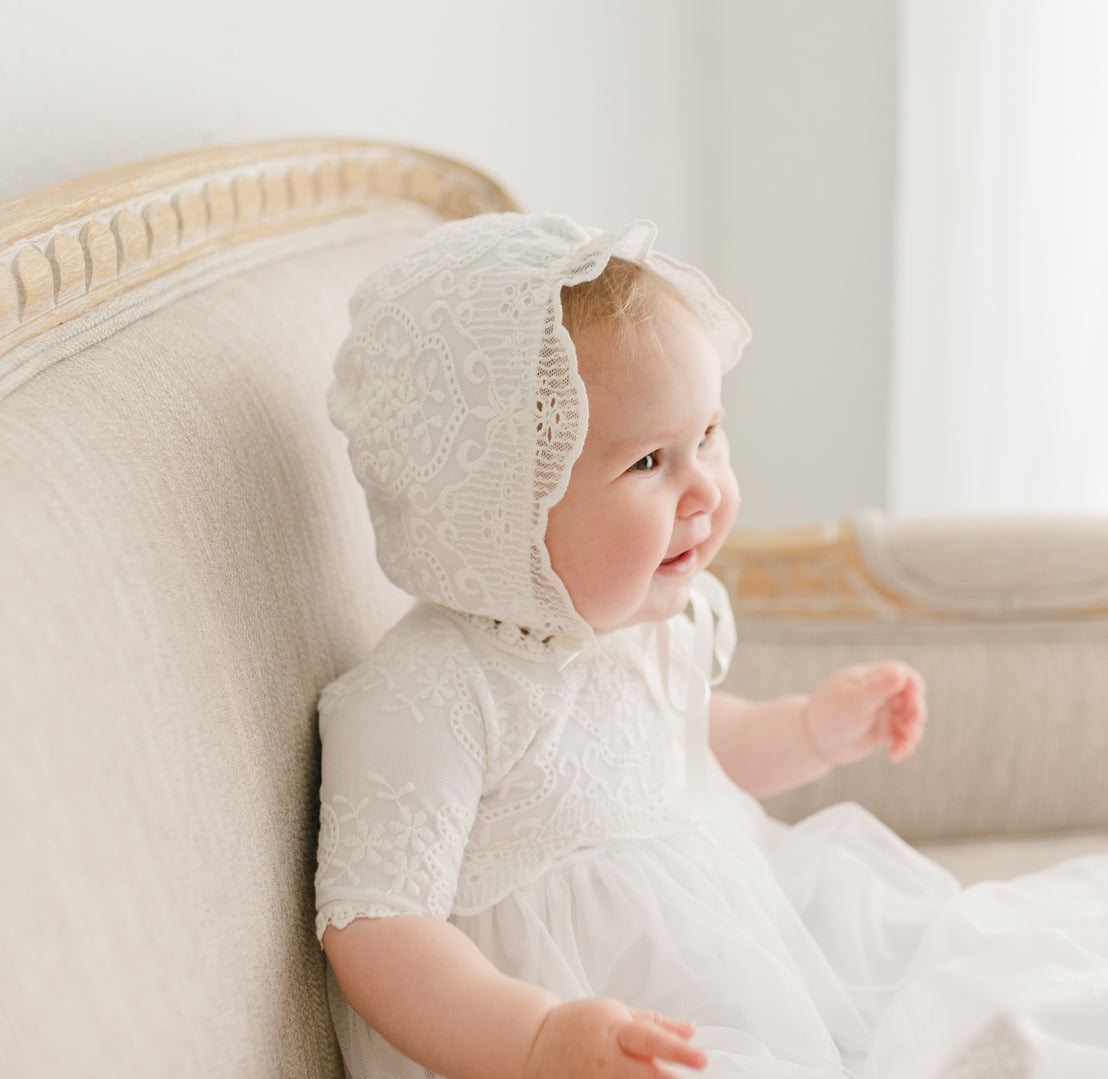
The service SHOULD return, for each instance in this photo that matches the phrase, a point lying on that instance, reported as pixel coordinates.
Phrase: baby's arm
(427, 989)
(774, 746)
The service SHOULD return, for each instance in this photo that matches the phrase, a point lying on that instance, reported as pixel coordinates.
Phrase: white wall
(800, 171)
(757, 133)
(575, 105)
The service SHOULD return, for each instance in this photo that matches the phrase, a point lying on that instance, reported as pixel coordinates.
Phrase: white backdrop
(757, 133)
(1000, 394)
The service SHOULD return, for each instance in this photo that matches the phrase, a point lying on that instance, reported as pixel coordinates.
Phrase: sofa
(185, 562)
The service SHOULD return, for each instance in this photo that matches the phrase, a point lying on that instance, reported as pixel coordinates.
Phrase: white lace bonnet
(457, 388)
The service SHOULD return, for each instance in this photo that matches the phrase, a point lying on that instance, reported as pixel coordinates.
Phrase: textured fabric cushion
(1017, 735)
(1013, 643)
(976, 860)
(999, 568)
(186, 563)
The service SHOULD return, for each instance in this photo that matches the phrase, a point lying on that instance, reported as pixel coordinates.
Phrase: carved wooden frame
(65, 249)
(822, 574)
(808, 573)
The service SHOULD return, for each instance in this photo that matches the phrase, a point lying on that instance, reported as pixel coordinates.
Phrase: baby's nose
(702, 495)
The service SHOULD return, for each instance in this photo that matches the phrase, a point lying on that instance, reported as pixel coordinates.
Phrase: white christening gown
(538, 800)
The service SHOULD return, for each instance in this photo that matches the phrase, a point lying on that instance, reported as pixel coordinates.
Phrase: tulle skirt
(824, 950)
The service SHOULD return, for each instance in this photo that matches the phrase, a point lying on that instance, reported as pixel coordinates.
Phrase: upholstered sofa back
(185, 561)
(1006, 618)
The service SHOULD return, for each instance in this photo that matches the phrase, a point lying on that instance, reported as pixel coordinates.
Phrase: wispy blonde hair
(624, 297)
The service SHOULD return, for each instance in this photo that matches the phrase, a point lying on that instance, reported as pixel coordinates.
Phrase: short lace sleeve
(403, 764)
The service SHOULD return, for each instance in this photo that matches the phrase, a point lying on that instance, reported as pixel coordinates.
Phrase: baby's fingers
(678, 1026)
(906, 725)
(656, 1037)
(906, 740)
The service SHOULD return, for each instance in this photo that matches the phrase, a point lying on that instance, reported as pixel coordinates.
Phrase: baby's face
(652, 495)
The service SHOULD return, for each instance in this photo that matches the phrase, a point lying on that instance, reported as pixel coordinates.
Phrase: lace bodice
(455, 769)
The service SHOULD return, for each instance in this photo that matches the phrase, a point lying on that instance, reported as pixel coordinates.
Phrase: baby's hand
(858, 708)
(602, 1037)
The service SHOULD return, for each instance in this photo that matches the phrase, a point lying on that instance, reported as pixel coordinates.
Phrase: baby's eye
(708, 433)
(645, 464)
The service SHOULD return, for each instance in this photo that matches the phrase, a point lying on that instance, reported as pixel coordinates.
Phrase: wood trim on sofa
(804, 573)
(825, 573)
(65, 249)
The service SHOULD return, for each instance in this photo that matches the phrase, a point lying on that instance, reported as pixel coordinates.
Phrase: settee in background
(1007, 620)
(185, 562)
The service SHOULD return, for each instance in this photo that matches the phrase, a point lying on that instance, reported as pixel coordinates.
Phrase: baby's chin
(656, 613)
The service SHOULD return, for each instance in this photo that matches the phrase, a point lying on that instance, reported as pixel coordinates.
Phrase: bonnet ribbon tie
(565, 649)
(688, 672)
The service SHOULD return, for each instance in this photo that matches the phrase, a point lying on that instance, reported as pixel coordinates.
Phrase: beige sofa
(1007, 619)
(185, 563)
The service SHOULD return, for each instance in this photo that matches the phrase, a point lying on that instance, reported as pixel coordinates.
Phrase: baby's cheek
(728, 503)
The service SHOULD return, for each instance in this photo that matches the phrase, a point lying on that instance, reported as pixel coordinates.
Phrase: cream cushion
(186, 562)
(1007, 619)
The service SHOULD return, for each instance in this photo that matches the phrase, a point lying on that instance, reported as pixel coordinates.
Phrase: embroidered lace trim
(340, 915)
(516, 640)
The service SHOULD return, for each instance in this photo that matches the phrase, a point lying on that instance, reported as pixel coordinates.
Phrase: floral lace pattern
(455, 771)
(389, 836)
(458, 391)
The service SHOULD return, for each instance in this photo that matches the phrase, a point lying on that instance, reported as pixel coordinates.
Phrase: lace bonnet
(457, 388)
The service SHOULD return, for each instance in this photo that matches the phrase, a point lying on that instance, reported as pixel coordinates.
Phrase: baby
(539, 835)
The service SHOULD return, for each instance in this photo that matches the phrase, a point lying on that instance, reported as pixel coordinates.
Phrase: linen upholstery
(1008, 622)
(186, 565)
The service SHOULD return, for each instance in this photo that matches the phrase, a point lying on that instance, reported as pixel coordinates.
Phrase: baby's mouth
(686, 558)
(679, 561)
